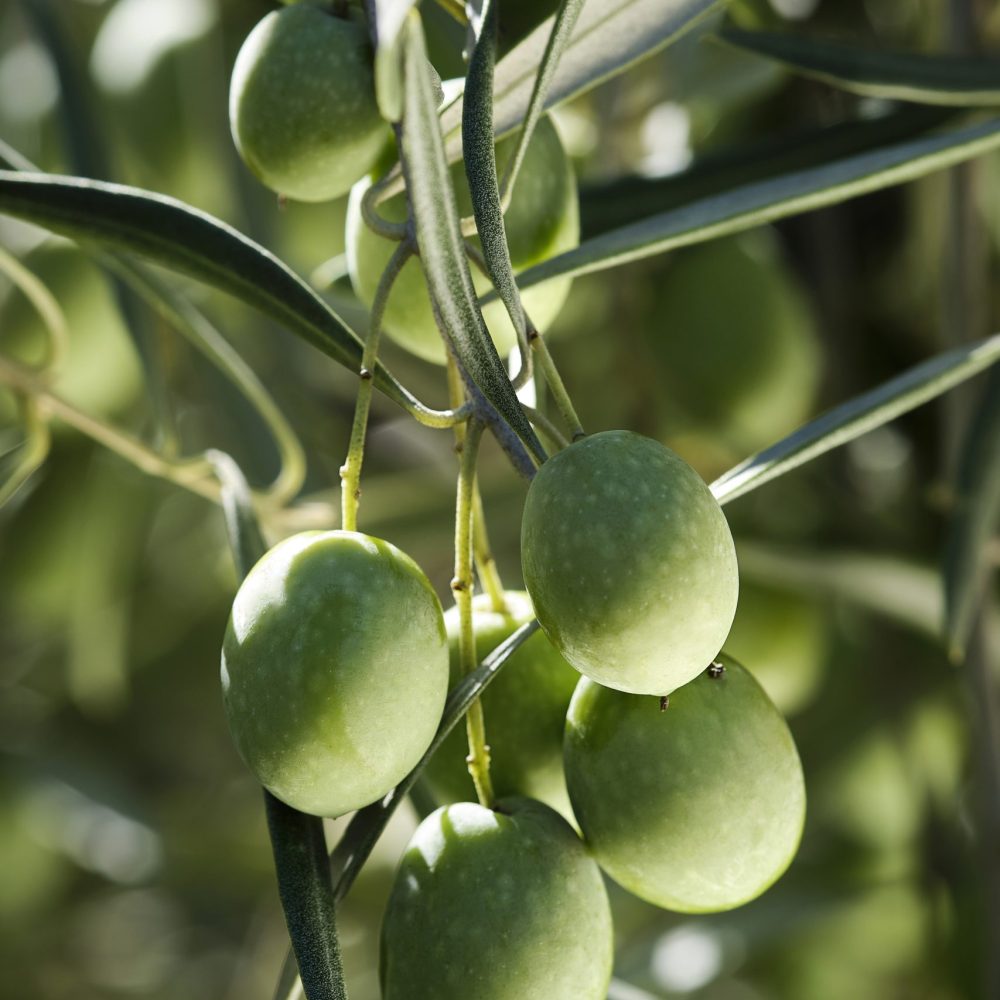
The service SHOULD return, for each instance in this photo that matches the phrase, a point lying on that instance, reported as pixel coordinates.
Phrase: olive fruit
(695, 804)
(496, 904)
(334, 669)
(302, 103)
(629, 562)
(739, 366)
(525, 709)
(543, 220)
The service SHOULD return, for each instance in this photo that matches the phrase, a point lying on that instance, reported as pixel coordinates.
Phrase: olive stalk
(350, 471)
(467, 444)
(555, 383)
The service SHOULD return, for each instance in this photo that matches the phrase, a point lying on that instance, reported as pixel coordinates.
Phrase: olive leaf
(442, 248)
(858, 416)
(747, 205)
(963, 80)
(618, 202)
(194, 243)
(608, 38)
(479, 155)
(974, 525)
(390, 16)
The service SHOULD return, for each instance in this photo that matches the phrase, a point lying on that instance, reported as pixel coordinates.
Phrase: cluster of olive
(678, 771)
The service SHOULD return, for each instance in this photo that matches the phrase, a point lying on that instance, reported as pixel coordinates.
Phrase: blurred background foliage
(135, 859)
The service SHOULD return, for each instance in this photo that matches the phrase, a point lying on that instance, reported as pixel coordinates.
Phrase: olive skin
(543, 220)
(500, 904)
(629, 562)
(697, 807)
(525, 712)
(334, 669)
(302, 103)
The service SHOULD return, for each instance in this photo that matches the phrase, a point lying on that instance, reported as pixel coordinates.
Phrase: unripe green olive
(735, 343)
(302, 103)
(525, 710)
(500, 904)
(696, 806)
(542, 221)
(334, 669)
(629, 562)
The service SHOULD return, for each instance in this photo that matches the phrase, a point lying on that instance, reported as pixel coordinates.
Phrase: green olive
(696, 804)
(302, 103)
(525, 710)
(334, 669)
(542, 221)
(629, 562)
(500, 904)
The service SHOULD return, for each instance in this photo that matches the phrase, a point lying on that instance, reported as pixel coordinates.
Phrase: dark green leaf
(961, 80)
(747, 205)
(442, 248)
(969, 554)
(191, 242)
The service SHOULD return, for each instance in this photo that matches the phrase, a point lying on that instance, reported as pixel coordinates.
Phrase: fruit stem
(486, 567)
(555, 383)
(374, 221)
(462, 586)
(547, 427)
(350, 471)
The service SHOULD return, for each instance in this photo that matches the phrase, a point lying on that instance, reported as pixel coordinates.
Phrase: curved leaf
(962, 80)
(193, 243)
(390, 16)
(975, 523)
(608, 38)
(628, 199)
(442, 248)
(748, 205)
(864, 413)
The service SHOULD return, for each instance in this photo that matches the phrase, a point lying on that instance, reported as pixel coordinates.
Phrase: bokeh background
(134, 860)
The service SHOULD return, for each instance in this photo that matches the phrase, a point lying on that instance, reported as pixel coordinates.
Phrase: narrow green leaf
(193, 243)
(442, 249)
(565, 19)
(479, 155)
(607, 40)
(297, 839)
(617, 203)
(748, 205)
(968, 557)
(864, 413)
(390, 16)
(958, 80)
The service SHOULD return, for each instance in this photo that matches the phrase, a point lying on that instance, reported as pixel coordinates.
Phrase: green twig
(462, 586)
(350, 472)
(556, 386)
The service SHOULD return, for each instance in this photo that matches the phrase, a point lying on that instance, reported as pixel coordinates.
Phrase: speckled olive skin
(334, 669)
(302, 103)
(629, 562)
(503, 905)
(525, 711)
(543, 220)
(697, 808)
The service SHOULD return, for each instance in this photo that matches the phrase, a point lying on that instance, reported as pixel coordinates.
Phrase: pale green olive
(629, 562)
(500, 904)
(302, 103)
(334, 669)
(525, 711)
(695, 805)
